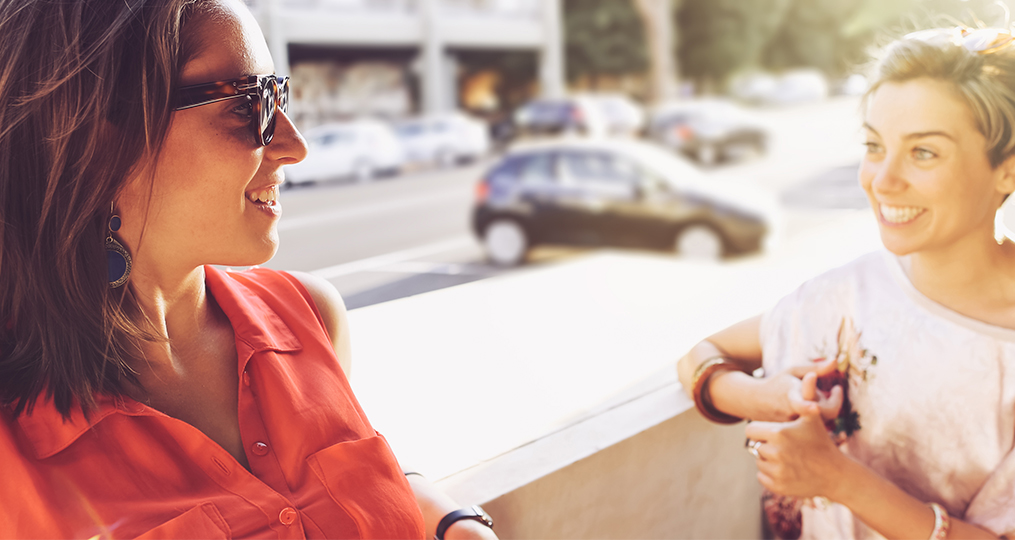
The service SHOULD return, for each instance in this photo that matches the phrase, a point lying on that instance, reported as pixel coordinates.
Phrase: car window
(505, 172)
(548, 111)
(537, 169)
(598, 167)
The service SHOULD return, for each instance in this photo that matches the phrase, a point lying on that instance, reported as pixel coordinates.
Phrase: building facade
(428, 34)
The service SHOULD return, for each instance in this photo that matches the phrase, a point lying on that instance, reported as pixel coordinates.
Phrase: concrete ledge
(550, 394)
(682, 478)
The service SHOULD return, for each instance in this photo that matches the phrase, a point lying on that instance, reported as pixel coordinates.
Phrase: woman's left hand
(798, 458)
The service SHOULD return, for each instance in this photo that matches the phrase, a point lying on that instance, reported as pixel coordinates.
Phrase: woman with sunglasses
(142, 391)
(888, 409)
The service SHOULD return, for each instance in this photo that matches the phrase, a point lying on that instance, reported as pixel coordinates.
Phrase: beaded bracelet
(700, 389)
(942, 523)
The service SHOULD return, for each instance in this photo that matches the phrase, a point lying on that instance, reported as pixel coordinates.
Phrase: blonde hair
(985, 81)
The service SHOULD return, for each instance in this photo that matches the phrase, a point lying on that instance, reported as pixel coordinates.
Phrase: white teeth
(264, 196)
(900, 214)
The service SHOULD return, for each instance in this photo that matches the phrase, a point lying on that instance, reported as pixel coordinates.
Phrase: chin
(251, 257)
(896, 245)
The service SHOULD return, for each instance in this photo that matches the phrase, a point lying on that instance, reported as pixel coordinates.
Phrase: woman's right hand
(772, 399)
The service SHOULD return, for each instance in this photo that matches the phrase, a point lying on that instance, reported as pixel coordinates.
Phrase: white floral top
(933, 391)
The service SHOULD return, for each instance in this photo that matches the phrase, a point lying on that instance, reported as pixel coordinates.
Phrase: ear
(1005, 183)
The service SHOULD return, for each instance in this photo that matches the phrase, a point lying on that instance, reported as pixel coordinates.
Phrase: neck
(176, 307)
(967, 275)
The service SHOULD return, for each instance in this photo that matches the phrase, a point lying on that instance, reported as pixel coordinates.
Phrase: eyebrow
(917, 135)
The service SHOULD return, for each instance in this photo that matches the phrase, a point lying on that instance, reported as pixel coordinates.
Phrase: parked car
(622, 115)
(444, 139)
(801, 86)
(575, 115)
(790, 88)
(708, 130)
(611, 193)
(360, 149)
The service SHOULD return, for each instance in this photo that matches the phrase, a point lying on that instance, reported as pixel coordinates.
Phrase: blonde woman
(889, 405)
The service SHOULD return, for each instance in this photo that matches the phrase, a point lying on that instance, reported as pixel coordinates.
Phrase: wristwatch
(473, 512)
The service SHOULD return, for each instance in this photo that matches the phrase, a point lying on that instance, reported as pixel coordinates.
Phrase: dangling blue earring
(116, 256)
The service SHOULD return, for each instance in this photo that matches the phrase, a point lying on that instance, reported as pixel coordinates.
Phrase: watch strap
(473, 512)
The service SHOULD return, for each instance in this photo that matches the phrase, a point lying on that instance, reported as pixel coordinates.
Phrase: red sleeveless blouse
(317, 467)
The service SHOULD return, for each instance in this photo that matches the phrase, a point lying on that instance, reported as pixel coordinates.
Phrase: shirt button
(259, 449)
(287, 516)
(246, 378)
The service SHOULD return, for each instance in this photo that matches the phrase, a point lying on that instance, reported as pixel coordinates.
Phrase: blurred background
(533, 207)
(455, 140)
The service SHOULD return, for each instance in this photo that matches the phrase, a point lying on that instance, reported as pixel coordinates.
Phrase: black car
(571, 115)
(708, 131)
(600, 193)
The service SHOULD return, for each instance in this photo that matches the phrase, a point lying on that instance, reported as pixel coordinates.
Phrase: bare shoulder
(332, 308)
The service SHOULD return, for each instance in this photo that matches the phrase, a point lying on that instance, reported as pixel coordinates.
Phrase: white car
(360, 149)
(623, 116)
(443, 139)
(790, 88)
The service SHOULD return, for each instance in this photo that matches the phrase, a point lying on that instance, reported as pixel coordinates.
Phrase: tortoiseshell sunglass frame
(260, 90)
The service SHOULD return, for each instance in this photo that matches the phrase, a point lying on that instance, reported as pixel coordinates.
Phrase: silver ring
(752, 447)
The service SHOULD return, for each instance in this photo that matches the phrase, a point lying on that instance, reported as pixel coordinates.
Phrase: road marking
(359, 211)
(380, 261)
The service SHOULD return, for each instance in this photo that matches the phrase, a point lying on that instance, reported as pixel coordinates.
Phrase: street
(400, 236)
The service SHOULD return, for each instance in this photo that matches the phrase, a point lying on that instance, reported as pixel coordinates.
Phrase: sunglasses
(267, 94)
(977, 40)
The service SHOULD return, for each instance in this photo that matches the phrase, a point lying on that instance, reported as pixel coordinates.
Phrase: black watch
(473, 512)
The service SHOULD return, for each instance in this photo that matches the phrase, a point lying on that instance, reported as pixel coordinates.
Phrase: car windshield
(664, 165)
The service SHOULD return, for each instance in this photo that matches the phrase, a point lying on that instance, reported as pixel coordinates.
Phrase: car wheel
(363, 172)
(699, 242)
(708, 154)
(506, 242)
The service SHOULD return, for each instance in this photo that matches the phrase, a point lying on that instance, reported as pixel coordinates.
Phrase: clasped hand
(798, 457)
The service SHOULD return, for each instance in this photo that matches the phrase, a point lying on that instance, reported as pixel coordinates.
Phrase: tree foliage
(717, 37)
(603, 37)
(811, 34)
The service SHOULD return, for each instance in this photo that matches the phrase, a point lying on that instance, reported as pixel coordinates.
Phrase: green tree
(811, 34)
(603, 37)
(893, 18)
(719, 37)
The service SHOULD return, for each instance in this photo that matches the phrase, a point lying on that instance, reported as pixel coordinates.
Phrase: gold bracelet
(699, 392)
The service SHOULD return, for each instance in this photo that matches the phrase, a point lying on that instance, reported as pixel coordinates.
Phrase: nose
(288, 145)
(884, 175)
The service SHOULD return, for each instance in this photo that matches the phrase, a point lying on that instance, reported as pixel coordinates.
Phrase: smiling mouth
(899, 215)
(267, 196)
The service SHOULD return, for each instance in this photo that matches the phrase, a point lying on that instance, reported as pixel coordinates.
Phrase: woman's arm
(336, 318)
(433, 503)
(799, 459)
(736, 392)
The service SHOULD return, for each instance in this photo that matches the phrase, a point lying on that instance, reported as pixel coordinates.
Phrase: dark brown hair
(85, 94)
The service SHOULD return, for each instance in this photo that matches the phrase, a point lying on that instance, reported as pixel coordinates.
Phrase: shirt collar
(256, 326)
(48, 432)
